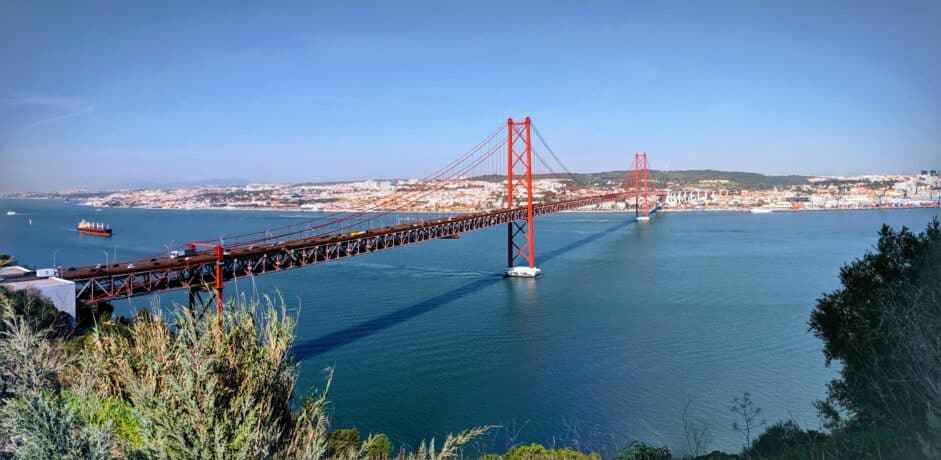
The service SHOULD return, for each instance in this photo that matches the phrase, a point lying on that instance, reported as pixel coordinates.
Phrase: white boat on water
(761, 210)
(11, 213)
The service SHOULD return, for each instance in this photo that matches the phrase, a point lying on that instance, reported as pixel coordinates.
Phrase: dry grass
(177, 385)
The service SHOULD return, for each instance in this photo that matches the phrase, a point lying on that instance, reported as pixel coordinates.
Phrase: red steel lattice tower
(519, 178)
(640, 181)
(219, 284)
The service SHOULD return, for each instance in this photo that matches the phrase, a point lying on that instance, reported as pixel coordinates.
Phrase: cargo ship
(93, 228)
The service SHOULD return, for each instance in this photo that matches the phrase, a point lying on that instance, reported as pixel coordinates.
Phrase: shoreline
(748, 210)
(593, 211)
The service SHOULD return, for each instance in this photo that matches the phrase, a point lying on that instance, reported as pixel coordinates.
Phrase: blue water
(628, 325)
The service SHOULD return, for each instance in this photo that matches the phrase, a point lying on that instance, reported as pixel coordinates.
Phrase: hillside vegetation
(696, 178)
(699, 178)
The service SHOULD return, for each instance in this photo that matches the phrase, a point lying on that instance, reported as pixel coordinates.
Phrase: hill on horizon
(736, 180)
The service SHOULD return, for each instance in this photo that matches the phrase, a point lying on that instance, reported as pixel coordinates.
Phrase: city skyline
(290, 95)
(223, 182)
(692, 190)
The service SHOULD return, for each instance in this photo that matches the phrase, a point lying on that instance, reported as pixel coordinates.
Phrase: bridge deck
(129, 279)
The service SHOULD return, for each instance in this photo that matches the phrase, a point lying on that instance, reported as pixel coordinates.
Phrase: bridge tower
(519, 186)
(640, 186)
(218, 284)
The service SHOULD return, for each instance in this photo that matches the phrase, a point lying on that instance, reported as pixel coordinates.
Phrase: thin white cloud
(45, 108)
(45, 101)
(63, 116)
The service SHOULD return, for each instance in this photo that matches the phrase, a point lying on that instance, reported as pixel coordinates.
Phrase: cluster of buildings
(476, 194)
(818, 193)
(463, 195)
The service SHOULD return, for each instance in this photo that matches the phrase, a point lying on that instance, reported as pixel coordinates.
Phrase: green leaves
(49, 428)
(172, 386)
(882, 327)
(206, 387)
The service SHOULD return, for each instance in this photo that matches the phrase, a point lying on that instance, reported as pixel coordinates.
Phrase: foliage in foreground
(205, 388)
(882, 326)
(33, 411)
(850, 443)
(782, 436)
(538, 452)
(35, 312)
(641, 451)
(176, 386)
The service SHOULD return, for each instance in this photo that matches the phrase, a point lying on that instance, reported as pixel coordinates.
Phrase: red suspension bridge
(206, 265)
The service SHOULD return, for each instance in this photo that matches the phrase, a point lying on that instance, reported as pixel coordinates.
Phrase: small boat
(11, 213)
(93, 228)
(761, 210)
(97, 209)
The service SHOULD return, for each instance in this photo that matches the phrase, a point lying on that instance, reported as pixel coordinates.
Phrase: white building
(57, 290)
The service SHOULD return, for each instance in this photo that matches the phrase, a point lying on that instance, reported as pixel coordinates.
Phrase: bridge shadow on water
(317, 346)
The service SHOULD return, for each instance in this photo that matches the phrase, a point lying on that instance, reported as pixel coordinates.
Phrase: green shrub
(343, 441)
(870, 441)
(35, 311)
(32, 407)
(209, 387)
(782, 436)
(641, 451)
(181, 386)
(539, 452)
(87, 316)
(50, 429)
(718, 455)
(30, 360)
(380, 447)
(882, 326)
(205, 387)
(113, 414)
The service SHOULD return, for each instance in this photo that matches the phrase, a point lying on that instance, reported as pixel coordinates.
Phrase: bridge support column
(219, 284)
(519, 179)
(640, 182)
(196, 300)
(220, 252)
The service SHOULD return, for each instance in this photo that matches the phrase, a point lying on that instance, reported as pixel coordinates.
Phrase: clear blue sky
(131, 92)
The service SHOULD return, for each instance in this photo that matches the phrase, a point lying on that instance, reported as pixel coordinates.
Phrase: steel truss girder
(94, 286)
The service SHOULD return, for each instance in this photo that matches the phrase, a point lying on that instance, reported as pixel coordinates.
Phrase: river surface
(629, 324)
